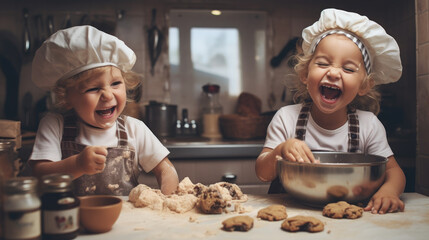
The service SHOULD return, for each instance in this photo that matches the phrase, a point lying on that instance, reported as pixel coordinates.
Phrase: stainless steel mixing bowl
(352, 177)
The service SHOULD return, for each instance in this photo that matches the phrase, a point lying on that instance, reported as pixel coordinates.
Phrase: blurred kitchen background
(244, 49)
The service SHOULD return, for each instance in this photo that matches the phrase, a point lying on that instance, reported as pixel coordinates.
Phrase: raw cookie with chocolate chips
(238, 223)
(274, 212)
(211, 201)
(342, 209)
(302, 223)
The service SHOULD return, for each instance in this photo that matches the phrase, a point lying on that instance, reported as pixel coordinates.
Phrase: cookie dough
(342, 209)
(302, 223)
(234, 191)
(274, 212)
(212, 201)
(337, 192)
(217, 197)
(238, 223)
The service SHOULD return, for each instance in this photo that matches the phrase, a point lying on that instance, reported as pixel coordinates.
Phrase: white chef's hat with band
(379, 50)
(77, 49)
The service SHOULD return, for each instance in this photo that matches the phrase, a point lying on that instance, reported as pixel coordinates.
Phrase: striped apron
(121, 171)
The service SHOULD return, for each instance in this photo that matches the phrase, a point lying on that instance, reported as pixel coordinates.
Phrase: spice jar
(211, 110)
(60, 208)
(21, 209)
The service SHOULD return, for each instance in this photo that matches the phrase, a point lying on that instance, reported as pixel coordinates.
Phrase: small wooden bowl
(98, 213)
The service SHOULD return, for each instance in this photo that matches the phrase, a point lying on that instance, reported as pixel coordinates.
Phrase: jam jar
(21, 209)
(60, 208)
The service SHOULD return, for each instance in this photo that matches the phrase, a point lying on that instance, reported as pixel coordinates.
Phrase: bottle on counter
(60, 208)
(21, 209)
(186, 125)
(211, 110)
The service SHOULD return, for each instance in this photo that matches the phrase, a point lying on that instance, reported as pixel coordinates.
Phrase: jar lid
(57, 182)
(211, 88)
(21, 185)
(6, 145)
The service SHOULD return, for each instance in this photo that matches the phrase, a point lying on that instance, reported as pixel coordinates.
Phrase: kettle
(161, 118)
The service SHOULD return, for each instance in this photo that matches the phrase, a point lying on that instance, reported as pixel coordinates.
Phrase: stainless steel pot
(161, 118)
(352, 177)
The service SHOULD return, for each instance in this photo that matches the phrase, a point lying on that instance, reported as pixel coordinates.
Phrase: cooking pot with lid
(161, 118)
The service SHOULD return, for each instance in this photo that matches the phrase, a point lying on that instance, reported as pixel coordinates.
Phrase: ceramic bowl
(351, 177)
(98, 213)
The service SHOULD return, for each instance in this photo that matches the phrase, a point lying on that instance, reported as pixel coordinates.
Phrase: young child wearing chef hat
(89, 72)
(344, 56)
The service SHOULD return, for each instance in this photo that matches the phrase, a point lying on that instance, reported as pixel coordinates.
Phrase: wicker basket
(234, 126)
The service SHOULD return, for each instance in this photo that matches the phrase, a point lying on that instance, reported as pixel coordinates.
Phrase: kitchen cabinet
(214, 161)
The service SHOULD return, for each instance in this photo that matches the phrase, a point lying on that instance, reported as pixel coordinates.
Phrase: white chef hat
(77, 49)
(381, 49)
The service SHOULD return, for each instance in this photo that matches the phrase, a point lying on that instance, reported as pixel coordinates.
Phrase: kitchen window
(228, 50)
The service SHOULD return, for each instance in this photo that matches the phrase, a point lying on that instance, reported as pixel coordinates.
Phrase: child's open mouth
(330, 92)
(106, 112)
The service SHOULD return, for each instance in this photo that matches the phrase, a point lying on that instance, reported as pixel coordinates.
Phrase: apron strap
(353, 145)
(70, 130)
(301, 123)
(121, 133)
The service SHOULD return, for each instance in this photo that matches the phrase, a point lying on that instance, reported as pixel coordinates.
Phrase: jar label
(59, 222)
(67, 200)
(22, 224)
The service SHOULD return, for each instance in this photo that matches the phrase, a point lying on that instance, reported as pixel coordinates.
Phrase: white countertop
(144, 223)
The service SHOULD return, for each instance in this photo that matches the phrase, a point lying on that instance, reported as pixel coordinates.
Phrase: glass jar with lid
(21, 209)
(211, 110)
(60, 208)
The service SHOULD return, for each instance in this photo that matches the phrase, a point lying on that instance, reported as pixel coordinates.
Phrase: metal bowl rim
(384, 161)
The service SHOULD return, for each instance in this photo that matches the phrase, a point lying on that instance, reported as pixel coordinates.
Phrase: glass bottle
(211, 110)
(186, 126)
(60, 208)
(21, 209)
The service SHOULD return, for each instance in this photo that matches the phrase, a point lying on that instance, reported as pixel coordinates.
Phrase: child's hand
(297, 151)
(92, 159)
(384, 203)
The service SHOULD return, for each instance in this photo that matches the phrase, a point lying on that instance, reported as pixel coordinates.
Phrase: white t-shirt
(372, 135)
(47, 146)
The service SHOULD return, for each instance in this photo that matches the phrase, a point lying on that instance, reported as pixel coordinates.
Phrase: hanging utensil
(67, 22)
(290, 47)
(39, 35)
(50, 22)
(84, 20)
(155, 41)
(27, 39)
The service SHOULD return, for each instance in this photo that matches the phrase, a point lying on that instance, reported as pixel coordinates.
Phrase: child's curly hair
(132, 82)
(369, 102)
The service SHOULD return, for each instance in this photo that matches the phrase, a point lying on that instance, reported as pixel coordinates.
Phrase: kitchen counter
(199, 147)
(143, 223)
